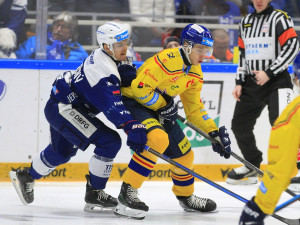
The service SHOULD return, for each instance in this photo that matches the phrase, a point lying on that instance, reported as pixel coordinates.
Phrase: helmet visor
(122, 44)
(203, 50)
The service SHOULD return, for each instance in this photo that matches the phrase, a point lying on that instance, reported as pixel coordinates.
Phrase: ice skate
(242, 175)
(97, 200)
(295, 184)
(194, 203)
(24, 185)
(129, 204)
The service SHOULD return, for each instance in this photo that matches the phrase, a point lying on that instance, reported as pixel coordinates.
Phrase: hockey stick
(285, 204)
(174, 163)
(214, 141)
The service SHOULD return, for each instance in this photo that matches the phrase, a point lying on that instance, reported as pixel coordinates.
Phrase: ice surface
(61, 203)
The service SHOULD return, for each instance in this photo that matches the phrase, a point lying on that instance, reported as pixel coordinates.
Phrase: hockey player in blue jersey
(76, 98)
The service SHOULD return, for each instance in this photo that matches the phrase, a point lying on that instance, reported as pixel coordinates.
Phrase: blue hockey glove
(223, 137)
(127, 74)
(170, 111)
(252, 214)
(137, 136)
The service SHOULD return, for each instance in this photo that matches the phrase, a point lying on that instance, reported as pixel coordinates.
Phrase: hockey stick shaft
(214, 141)
(287, 203)
(178, 165)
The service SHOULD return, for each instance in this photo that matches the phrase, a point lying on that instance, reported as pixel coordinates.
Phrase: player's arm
(197, 115)
(194, 108)
(241, 70)
(149, 76)
(288, 40)
(106, 97)
(282, 155)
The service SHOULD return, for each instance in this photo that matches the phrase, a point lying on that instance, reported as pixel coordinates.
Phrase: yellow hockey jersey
(165, 73)
(282, 157)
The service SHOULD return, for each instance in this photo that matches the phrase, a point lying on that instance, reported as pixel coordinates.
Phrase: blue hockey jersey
(95, 87)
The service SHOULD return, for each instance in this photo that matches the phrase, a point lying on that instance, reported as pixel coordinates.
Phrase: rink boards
(25, 87)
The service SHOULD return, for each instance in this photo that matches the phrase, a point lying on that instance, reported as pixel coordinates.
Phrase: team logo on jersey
(3, 89)
(116, 93)
(141, 85)
(265, 28)
(191, 82)
(171, 55)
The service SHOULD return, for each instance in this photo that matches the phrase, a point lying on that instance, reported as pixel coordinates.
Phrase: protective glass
(203, 50)
(122, 44)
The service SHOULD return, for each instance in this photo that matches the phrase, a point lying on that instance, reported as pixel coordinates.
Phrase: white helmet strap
(187, 51)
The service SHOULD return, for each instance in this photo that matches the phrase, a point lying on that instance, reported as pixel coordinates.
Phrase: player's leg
(180, 151)
(282, 153)
(245, 115)
(90, 130)
(108, 143)
(295, 182)
(58, 152)
(140, 165)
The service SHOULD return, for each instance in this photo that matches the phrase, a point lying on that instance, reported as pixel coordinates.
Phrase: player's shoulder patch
(170, 61)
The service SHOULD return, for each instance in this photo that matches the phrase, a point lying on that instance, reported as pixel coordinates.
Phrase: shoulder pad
(196, 71)
(284, 13)
(169, 60)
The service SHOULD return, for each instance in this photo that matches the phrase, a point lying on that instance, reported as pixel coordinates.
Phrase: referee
(267, 43)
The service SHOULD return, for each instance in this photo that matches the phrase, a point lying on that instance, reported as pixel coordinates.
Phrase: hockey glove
(170, 111)
(137, 137)
(252, 214)
(223, 137)
(127, 74)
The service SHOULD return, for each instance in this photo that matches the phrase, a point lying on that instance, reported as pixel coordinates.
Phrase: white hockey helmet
(110, 33)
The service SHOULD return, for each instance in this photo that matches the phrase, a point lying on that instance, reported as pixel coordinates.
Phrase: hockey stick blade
(174, 163)
(214, 141)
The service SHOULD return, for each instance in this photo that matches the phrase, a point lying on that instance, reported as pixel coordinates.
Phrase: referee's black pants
(254, 98)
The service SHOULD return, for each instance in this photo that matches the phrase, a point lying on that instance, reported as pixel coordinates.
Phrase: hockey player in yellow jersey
(282, 157)
(148, 94)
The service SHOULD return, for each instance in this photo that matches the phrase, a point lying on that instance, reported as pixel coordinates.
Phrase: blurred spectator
(215, 8)
(61, 42)
(223, 10)
(293, 8)
(8, 43)
(171, 42)
(184, 8)
(156, 9)
(12, 15)
(221, 52)
(111, 7)
(62, 5)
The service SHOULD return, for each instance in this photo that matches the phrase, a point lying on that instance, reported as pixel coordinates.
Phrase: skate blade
(196, 211)
(124, 211)
(94, 208)
(14, 180)
(244, 181)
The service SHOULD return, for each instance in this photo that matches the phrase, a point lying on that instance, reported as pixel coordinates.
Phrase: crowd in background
(67, 40)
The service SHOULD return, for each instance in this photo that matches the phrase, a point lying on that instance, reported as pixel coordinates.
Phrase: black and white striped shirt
(267, 42)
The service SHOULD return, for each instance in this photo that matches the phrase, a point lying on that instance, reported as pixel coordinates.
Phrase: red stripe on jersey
(287, 120)
(163, 69)
(286, 35)
(200, 80)
(241, 43)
